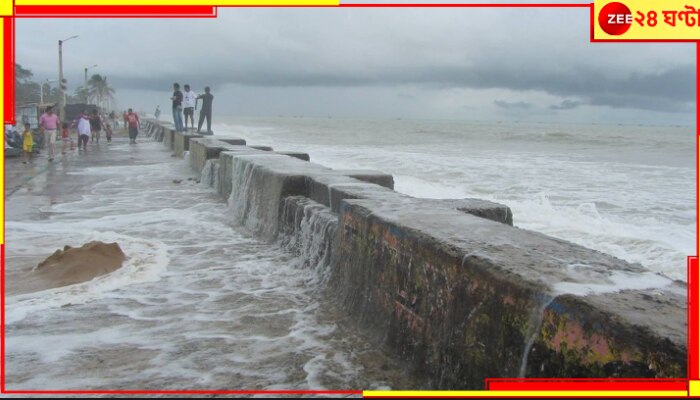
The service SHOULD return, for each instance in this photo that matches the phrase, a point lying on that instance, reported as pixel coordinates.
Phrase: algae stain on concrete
(533, 330)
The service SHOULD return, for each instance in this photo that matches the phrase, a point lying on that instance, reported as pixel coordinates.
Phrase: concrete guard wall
(181, 142)
(452, 287)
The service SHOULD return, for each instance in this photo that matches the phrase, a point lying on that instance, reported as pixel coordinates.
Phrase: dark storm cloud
(431, 55)
(671, 90)
(566, 105)
(519, 105)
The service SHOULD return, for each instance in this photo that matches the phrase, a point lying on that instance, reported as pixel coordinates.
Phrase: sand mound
(81, 264)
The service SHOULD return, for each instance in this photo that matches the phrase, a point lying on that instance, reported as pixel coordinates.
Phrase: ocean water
(628, 191)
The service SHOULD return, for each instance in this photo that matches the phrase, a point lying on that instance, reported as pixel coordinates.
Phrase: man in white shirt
(189, 99)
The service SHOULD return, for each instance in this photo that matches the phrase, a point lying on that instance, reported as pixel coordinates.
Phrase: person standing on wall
(205, 112)
(134, 125)
(49, 123)
(177, 107)
(188, 103)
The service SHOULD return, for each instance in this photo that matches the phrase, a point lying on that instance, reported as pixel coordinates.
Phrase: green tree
(26, 91)
(22, 75)
(100, 91)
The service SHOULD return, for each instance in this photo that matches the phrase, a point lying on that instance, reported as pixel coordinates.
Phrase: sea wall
(450, 285)
(181, 142)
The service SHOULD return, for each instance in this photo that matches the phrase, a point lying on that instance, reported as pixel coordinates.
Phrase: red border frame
(8, 26)
(115, 11)
(627, 384)
(693, 288)
(526, 384)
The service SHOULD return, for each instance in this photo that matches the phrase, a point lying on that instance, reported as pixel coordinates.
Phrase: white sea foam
(146, 261)
(626, 191)
(615, 282)
(199, 304)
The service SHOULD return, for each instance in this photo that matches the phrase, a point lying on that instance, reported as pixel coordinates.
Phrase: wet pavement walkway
(199, 304)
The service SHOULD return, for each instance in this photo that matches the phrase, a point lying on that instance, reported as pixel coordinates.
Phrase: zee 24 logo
(616, 18)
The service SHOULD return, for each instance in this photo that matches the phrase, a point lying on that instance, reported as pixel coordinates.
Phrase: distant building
(28, 113)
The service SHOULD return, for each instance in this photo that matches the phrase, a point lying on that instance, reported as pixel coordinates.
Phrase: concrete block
(295, 154)
(368, 175)
(481, 208)
(263, 148)
(169, 138)
(465, 298)
(233, 141)
(181, 142)
(203, 149)
(259, 183)
(226, 166)
(329, 188)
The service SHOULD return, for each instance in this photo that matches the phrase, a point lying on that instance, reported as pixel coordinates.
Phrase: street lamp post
(85, 88)
(41, 101)
(61, 93)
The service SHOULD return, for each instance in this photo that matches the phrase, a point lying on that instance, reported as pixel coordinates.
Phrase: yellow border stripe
(6, 7)
(178, 2)
(484, 393)
(694, 388)
(2, 112)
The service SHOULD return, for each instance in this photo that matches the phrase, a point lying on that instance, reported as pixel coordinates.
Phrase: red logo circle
(615, 18)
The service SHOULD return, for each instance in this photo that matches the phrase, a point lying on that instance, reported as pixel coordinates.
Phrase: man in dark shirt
(95, 126)
(205, 112)
(177, 107)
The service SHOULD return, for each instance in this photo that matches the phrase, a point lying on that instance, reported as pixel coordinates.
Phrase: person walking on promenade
(113, 119)
(65, 138)
(27, 143)
(177, 107)
(188, 103)
(205, 112)
(134, 125)
(49, 123)
(108, 132)
(83, 130)
(95, 126)
(157, 114)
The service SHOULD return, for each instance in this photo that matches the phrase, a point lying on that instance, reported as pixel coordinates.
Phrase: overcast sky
(447, 63)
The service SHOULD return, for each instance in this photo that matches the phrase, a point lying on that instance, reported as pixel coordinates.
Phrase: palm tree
(99, 89)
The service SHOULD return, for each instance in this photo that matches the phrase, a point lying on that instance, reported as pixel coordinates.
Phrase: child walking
(27, 143)
(65, 138)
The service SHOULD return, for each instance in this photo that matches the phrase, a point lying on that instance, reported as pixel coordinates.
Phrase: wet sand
(67, 267)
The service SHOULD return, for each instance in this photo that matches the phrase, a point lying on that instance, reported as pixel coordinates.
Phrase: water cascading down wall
(449, 285)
